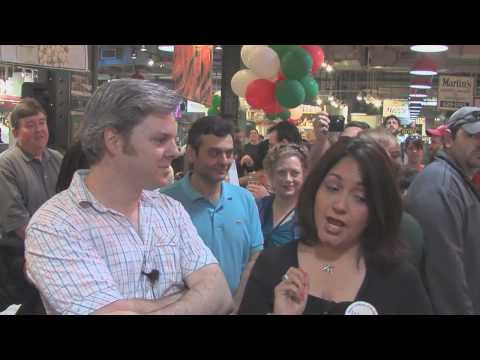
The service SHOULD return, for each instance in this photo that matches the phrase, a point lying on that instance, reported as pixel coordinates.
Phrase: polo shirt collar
(194, 195)
(29, 157)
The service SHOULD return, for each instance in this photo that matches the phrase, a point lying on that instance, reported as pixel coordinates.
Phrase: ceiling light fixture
(429, 48)
(421, 83)
(150, 61)
(415, 93)
(424, 66)
(143, 48)
(133, 55)
(167, 48)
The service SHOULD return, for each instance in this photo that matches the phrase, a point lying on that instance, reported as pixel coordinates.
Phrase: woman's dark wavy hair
(380, 242)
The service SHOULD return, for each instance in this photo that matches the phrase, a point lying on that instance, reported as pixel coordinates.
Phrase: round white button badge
(361, 308)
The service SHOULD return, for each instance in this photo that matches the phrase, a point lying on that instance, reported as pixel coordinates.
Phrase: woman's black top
(393, 290)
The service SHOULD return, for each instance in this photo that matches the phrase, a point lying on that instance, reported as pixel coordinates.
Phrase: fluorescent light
(423, 72)
(420, 86)
(429, 48)
(167, 48)
(143, 48)
(418, 95)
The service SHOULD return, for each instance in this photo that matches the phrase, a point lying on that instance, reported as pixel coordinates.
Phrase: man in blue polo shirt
(225, 215)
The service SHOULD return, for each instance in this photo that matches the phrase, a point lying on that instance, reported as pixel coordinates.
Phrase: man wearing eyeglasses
(29, 172)
(447, 206)
(225, 215)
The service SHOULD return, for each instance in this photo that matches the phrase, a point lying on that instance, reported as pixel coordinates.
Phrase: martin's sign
(455, 92)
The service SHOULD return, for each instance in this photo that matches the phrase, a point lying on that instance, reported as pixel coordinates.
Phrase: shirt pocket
(166, 259)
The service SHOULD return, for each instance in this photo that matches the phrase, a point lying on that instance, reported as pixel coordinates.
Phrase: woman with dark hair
(414, 150)
(350, 259)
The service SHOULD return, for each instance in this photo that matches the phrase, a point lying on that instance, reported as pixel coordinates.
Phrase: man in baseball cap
(437, 137)
(446, 204)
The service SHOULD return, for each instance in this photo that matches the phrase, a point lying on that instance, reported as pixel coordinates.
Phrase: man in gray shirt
(444, 201)
(28, 175)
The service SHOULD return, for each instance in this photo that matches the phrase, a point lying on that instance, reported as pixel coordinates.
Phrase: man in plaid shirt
(109, 244)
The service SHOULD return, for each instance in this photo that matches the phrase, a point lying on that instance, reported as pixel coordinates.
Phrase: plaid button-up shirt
(83, 256)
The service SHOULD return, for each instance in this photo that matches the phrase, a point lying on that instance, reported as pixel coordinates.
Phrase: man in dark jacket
(446, 204)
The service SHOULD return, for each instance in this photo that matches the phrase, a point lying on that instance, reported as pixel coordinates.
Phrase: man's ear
(15, 132)
(113, 142)
(190, 153)
(447, 140)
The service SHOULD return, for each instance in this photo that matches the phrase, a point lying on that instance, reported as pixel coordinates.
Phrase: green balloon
(296, 64)
(282, 49)
(284, 115)
(216, 101)
(311, 88)
(289, 93)
(212, 111)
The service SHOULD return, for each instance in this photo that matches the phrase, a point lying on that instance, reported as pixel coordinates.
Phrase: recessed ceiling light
(429, 48)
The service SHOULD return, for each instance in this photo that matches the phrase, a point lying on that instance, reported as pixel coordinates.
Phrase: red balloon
(273, 108)
(260, 93)
(318, 57)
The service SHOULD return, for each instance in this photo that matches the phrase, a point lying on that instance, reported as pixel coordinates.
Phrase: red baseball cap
(442, 130)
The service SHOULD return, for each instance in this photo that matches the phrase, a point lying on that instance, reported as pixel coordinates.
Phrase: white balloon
(241, 80)
(246, 52)
(296, 113)
(264, 62)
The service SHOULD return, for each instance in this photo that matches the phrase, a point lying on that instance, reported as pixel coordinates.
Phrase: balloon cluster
(278, 78)
(214, 108)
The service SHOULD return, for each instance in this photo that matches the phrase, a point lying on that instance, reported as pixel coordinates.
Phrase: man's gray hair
(121, 105)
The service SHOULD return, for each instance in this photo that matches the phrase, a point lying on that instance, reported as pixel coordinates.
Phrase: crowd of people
(343, 225)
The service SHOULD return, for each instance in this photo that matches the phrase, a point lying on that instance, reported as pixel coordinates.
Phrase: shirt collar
(84, 197)
(80, 192)
(194, 195)
(29, 157)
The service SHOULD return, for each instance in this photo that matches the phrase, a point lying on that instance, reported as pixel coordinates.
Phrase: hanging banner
(192, 72)
(455, 92)
(397, 107)
(65, 57)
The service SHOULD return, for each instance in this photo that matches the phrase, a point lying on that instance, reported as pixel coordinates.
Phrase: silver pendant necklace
(327, 268)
